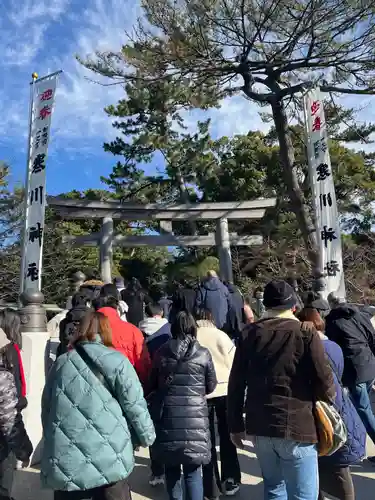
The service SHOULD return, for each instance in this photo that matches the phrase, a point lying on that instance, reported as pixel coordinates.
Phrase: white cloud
(80, 103)
(30, 11)
(99, 25)
(237, 115)
(23, 29)
(46, 35)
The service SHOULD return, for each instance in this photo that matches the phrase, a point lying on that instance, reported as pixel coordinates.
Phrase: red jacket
(22, 372)
(128, 339)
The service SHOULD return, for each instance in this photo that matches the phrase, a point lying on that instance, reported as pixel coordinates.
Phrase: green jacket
(87, 432)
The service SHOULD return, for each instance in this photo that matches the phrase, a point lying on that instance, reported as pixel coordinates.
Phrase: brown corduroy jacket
(284, 371)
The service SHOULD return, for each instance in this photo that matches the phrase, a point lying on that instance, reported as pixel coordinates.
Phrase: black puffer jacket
(11, 363)
(13, 436)
(352, 330)
(182, 434)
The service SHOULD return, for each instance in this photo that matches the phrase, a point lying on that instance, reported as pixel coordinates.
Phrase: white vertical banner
(42, 105)
(323, 191)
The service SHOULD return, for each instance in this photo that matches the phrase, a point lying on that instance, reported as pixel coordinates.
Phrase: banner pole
(327, 221)
(52, 75)
(27, 184)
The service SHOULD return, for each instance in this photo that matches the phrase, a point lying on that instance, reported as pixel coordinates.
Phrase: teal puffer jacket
(87, 432)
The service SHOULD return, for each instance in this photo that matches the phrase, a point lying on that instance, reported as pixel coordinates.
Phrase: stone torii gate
(166, 214)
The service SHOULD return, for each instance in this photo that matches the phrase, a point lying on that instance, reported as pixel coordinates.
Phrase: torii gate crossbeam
(109, 210)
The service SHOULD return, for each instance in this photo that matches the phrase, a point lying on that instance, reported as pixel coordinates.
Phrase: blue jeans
(192, 478)
(289, 469)
(360, 395)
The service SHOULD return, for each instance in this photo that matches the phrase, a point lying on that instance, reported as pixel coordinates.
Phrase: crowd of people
(185, 374)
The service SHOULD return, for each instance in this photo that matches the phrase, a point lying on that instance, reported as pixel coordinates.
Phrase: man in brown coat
(284, 371)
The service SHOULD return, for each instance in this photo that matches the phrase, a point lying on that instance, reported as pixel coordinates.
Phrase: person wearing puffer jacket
(10, 348)
(94, 415)
(14, 441)
(334, 471)
(182, 376)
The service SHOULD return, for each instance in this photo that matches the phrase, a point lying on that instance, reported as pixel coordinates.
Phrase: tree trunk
(185, 199)
(294, 191)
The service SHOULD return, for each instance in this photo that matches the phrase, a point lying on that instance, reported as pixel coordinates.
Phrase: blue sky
(44, 36)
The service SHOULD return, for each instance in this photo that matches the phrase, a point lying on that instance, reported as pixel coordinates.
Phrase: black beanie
(279, 295)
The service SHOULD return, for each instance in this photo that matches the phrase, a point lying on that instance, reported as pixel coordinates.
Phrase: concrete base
(34, 355)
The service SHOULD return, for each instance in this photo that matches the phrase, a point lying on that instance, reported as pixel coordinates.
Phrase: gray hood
(151, 325)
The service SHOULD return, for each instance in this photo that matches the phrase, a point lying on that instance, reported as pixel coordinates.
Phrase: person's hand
(237, 439)
(308, 326)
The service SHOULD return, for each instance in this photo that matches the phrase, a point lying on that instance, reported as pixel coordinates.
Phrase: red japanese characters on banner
(47, 95)
(45, 112)
(42, 109)
(323, 189)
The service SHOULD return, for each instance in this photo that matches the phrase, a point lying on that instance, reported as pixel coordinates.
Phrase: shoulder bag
(331, 430)
(330, 427)
(94, 368)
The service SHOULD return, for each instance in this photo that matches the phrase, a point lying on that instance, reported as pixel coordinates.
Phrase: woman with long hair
(182, 376)
(10, 349)
(93, 416)
(334, 471)
(14, 441)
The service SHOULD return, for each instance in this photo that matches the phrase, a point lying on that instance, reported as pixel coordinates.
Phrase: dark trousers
(336, 482)
(7, 468)
(116, 491)
(157, 469)
(230, 467)
(192, 480)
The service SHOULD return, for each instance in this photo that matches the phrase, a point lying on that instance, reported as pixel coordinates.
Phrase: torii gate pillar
(106, 249)
(223, 247)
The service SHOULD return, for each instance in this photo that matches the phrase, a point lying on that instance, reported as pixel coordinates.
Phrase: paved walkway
(27, 485)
